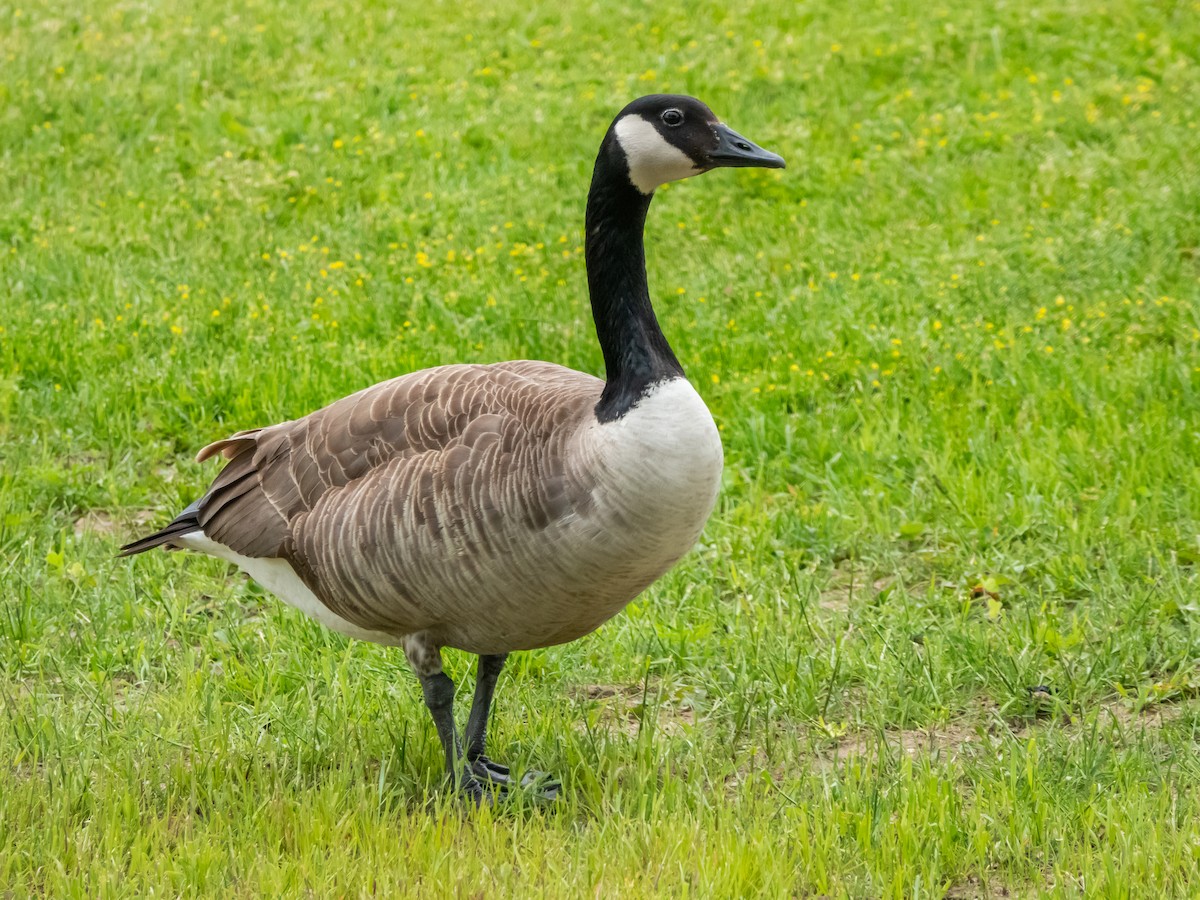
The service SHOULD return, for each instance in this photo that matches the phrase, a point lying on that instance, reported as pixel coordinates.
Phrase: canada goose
(501, 507)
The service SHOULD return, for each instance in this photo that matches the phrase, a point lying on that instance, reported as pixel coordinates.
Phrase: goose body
(515, 521)
(492, 508)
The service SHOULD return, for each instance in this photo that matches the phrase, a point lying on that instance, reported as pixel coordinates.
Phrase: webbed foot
(540, 786)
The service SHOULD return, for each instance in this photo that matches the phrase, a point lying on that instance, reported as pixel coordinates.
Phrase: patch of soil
(624, 707)
(988, 725)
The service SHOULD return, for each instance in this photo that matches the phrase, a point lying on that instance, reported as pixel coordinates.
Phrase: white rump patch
(278, 577)
(652, 160)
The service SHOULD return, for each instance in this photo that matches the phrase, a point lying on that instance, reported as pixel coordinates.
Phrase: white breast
(658, 470)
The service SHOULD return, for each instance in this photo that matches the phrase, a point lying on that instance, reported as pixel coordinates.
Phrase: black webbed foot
(539, 785)
(477, 791)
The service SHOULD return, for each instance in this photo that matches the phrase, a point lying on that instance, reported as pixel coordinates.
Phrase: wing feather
(368, 496)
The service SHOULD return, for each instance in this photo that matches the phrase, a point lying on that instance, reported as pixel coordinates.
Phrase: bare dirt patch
(987, 725)
(974, 888)
(97, 521)
(625, 708)
(102, 523)
(847, 585)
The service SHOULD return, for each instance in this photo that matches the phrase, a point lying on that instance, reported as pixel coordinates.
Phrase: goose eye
(672, 117)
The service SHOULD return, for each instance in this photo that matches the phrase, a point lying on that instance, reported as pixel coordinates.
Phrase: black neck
(636, 353)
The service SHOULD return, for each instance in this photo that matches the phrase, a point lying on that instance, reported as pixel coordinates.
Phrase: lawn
(942, 634)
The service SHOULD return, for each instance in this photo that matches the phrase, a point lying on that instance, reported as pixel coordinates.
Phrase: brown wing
(409, 470)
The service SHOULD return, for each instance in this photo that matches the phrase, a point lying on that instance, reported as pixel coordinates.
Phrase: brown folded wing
(401, 491)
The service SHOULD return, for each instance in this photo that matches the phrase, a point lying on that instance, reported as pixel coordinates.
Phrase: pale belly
(278, 577)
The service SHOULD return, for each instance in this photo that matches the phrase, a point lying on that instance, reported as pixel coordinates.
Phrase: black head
(665, 137)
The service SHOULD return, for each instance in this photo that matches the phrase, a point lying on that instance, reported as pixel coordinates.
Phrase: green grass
(954, 352)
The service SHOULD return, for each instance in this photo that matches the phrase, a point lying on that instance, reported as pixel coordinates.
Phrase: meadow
(941, 637)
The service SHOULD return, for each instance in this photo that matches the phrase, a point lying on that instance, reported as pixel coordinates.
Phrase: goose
(493, 508)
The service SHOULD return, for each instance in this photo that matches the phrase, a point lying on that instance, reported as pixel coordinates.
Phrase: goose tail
(186, 522)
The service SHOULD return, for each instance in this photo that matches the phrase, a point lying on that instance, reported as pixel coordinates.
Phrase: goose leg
(476, 734)
(481, 708)
(438, 689)
(481, 705)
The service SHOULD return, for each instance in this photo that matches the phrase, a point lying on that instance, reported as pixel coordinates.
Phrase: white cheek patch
(652, 161)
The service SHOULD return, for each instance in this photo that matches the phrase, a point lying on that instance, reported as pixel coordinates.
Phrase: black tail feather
(188, 520)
